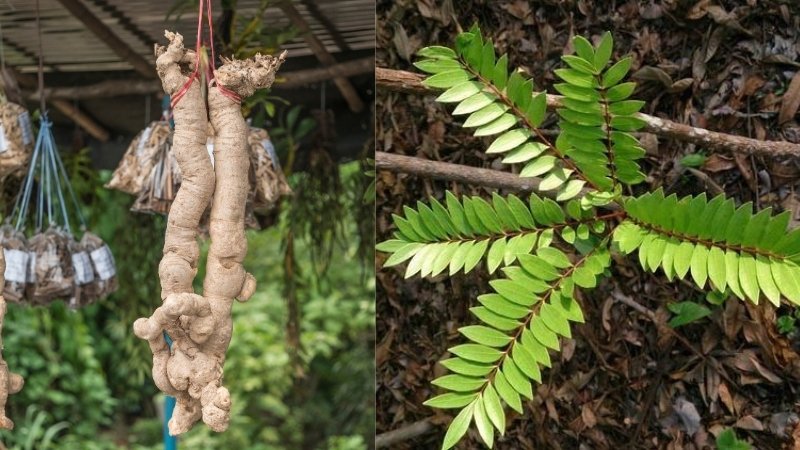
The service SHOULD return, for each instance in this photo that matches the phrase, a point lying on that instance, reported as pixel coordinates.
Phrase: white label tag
(273, 155)
(3, 140)
(143, 139)
(210, 149)
(16, 265)
(31, 275)
(104, 263)
(82, 266)
(24, 120)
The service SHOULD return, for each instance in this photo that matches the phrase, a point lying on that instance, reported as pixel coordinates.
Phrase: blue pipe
(170, 442)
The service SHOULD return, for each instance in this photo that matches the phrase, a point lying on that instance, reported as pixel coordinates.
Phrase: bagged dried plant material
(17, 272)
(140, 157)
(160, 185)
(103, 267)
(267, 182)
(52, 267)
(83, 274)
(16, 139)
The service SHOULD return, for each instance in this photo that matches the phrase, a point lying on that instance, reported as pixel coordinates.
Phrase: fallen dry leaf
(718, 163)
(790, 101)
(749, 423)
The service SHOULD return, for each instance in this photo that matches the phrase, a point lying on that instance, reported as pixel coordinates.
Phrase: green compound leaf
(500, 363)
(731, 247)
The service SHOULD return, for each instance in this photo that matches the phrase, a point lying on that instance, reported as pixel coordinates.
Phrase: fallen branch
(416, 429)
(455, 172)
(408, 82)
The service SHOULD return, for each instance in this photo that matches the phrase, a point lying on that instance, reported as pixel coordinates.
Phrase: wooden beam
(108, 37)
(409, 82)
(124, 21)
(344, 85)
(313, 8)
(117, 88)
(94, 129)
(341, 70)
(103, 89)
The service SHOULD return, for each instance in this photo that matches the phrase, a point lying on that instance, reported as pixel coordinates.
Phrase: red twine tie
(210, 69)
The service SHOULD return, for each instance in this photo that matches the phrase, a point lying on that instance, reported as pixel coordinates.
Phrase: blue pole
(170, 442)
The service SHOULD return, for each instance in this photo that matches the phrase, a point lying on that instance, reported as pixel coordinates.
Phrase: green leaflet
(499, 364)
(731, 247)
(433, 238)
(501, 103)
(458, 427)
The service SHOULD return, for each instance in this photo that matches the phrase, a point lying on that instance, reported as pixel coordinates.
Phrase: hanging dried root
(178, 266)
(201, 326)
(10, 383)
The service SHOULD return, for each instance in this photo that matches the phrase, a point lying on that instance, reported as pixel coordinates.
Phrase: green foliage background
(87, 377)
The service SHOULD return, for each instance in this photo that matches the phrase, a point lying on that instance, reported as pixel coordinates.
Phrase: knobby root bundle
(10, 383)
(16, 139)
(200, 326)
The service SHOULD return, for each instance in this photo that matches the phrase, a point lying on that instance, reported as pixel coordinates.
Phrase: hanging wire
(40, 193)
(24, 200)
(2, 49)
(54, 164)
(41, 61)
(75, 203)
(322, 96)
(147, 108)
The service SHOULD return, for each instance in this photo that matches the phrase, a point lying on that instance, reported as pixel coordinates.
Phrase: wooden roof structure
(99, 63)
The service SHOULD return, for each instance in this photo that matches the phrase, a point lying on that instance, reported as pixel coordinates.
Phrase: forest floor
(627, 380)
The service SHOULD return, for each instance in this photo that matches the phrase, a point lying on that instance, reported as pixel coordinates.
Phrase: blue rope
(170, 442)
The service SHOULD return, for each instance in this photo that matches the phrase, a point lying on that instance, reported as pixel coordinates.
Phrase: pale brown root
(181, 251)
(10, 383)
(247, 75)
(184, 316)
(201, 326)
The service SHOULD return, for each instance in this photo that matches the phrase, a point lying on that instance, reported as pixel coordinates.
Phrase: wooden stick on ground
(408, 82)
(455, 172)
(405, 433)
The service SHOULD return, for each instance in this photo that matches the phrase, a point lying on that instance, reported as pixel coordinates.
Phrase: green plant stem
(535, 308)
(607, 119)
(523, 117)
(512, 234)
(706, 242)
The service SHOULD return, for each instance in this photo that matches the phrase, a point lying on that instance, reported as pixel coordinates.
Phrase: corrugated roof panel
(71, 47)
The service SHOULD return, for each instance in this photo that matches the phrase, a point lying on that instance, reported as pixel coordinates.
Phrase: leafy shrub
(550, 244)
